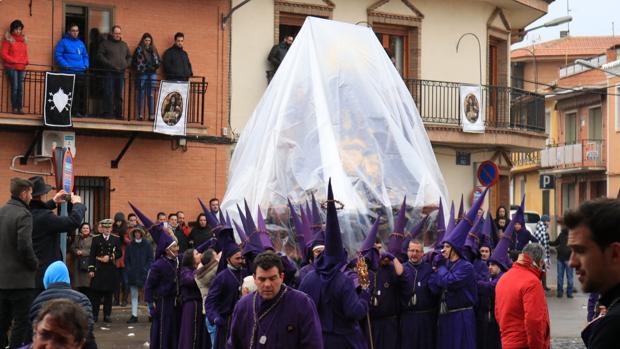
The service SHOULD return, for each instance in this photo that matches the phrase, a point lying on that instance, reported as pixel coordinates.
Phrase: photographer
(47, 226)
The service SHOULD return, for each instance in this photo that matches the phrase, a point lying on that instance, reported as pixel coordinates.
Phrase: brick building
(155, 171)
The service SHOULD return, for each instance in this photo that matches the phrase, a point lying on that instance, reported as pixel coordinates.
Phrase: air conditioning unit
(61, 138)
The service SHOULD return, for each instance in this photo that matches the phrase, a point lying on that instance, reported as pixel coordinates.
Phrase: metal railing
(505, 107)
(92, 85)
(525, 158)
(584, 153)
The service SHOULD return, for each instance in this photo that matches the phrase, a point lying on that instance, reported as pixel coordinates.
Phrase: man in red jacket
(520, 304)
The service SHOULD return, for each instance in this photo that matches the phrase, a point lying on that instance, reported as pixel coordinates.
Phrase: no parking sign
(488, 173)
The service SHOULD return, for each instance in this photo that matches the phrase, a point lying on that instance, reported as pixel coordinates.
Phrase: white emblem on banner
(472, 109)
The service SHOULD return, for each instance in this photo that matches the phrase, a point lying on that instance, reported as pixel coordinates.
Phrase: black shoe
(19, 112)
(150, 318)
(123, 304)
(107, 319)
(96, 318)
(546, 288)
(559, 295)
(569, 296)
(132, 320)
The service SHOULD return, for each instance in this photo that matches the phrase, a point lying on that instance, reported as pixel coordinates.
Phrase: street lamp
(587, 64)
(551, 23)
(531, 51)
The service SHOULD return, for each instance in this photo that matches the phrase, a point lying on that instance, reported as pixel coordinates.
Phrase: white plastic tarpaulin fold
(338, 108)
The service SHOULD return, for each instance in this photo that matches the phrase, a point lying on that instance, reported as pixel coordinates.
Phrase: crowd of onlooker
(100, 68)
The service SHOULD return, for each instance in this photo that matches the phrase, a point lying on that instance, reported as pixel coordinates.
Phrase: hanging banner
(58, 99)
(472, 109)
(172, 108)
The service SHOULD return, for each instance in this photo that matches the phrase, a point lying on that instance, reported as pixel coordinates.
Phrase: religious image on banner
(172, 108)
(472, 109)
(58, 99)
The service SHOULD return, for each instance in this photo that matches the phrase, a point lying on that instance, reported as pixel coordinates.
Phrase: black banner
(58, 99)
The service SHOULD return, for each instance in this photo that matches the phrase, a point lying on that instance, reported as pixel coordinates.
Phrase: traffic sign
(67, 171)
(488, 173)
(547, 181)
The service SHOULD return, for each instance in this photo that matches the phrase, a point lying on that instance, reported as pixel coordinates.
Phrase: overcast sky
(590, 17)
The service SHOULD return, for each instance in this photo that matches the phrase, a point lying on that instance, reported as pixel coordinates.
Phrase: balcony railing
(34, 90)
(505, 107)
(585, 153)
(525, 158)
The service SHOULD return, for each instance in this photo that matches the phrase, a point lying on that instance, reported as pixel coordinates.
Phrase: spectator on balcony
(176, 61)
(14, 55)
(145, 62)
(114, 57)
(72, 57)
(277, 54)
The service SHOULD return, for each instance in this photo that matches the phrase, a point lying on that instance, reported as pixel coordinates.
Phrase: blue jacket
(71, 55)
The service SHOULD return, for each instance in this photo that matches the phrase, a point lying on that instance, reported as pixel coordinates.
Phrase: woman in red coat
(15, 58)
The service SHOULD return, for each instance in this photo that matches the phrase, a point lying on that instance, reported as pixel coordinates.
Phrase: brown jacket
(114, 55)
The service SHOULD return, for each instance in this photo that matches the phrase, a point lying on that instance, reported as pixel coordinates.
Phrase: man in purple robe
(338, 302)
(161, 289)
(224, 292)
(275, 315)
(455, 280)
(418, 305)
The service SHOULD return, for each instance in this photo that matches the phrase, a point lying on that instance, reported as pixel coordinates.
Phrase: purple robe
(481, 309)
(488, 328)
(340, 309)
(456, 323)
(289, 320)
(223, 294)
(418, 315)
(162, 280)
(192, 334)
(592, 306)
(303, 271)
(384, 305)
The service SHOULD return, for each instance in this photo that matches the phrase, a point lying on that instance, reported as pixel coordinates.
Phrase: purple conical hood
(333, 238)
(487, 230)
(249, 219)
(161, 237)
(451, 219)
(461, 210)
(243, 220)
(228, 220)
(418, 229)
(401, 218)
(474, 237)
(456, 238)
(500, 253)
(440, 221)
(212, 221)
(221, 218)
(317, 224)
(371, 237)
(254, 244)
(261, 221)
(240, 232)
(263, 233)
(303, 233)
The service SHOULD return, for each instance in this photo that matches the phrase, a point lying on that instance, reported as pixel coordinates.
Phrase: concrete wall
(253, 36)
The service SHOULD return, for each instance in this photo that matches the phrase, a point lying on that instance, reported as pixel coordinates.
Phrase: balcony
(525, 160)
(34, 90)
(514, 118)
(583, 156)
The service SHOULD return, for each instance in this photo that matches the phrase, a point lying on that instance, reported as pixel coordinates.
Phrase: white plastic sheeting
(338, 108)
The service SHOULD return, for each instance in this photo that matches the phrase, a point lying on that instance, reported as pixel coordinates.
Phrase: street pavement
(568, 317)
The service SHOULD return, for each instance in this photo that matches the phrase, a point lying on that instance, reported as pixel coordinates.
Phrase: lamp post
(551, 23)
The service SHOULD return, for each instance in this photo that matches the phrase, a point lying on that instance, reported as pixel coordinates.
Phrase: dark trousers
(96, 301)
(78, 104)
(14, 309)
(113, 83)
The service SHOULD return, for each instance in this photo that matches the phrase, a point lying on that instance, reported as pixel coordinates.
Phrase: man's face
(214, 206)
(501, 222)
(179, 42)
(117, 34)
(236, 260)
(316, 252)
(49, 333)
(378, 246)
(518, 226)
(485, 252)
(105, 230)
(133, 221)
(26, 196)
(415, 252)
(590, 262)
(289, 40)
(162, 218)
(74, 31)
(446, 251)
(268, 282)
(493, 269)
(173, 221)
(181, 217)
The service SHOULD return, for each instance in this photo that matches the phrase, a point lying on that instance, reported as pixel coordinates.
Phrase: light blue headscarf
(56, 272)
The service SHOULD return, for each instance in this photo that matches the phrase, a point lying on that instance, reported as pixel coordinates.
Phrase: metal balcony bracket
(37, 138)
(115, 162)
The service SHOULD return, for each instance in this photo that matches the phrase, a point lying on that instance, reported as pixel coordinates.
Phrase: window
(547, 122)
(595, 124)
(90, 19)
(95, 193)
(394, 40)
(517, 75)
(570, 128)
(568, 196)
